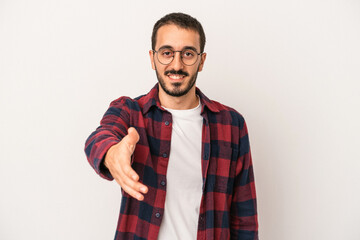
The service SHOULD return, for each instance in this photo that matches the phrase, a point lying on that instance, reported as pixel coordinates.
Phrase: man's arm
(244, 224)
(110, 146)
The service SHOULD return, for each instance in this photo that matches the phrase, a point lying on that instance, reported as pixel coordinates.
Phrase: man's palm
(118, 159)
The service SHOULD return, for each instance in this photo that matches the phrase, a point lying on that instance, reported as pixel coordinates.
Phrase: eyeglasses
(166, 56)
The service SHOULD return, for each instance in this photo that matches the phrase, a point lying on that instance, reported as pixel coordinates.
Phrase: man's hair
(181, 20)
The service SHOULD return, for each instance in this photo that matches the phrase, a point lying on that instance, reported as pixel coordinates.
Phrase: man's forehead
(177, 36)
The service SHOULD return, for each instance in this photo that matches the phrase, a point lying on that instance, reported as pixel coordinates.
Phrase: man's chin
(176, 85)
(175, 90)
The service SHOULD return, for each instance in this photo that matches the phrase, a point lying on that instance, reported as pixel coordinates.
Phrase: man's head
(178, 42)
(182, 21)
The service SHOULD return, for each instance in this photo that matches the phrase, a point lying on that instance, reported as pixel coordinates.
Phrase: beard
(176, 90)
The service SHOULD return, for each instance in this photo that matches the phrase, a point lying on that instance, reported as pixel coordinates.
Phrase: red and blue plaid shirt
(228, 204)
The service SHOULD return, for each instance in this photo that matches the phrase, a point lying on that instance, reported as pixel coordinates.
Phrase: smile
(175, 76)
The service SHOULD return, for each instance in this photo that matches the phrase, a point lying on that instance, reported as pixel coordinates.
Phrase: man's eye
(167, 53)
(188, 54)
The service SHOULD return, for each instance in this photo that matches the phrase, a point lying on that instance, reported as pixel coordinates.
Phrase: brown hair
(182, 20)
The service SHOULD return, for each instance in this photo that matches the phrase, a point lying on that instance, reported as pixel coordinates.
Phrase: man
(191, 174)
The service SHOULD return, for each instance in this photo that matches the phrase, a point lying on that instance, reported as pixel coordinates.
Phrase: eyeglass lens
(166, 55)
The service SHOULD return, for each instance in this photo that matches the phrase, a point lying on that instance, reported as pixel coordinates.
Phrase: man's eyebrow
(166, 46)
(186, 47)
(190, 47)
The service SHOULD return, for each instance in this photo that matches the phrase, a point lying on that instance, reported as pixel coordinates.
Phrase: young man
(191, 174)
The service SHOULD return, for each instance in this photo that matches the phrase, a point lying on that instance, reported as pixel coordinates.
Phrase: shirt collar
(152, 99)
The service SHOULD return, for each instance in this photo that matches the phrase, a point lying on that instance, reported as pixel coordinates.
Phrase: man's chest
(212, 144)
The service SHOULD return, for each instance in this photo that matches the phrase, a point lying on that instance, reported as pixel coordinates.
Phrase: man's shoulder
(227, 118)
(141, 103)
(227, 111)
(128, 102)
(220, 110)
(138, 104)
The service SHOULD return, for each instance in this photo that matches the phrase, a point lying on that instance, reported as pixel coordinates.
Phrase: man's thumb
(132, 137)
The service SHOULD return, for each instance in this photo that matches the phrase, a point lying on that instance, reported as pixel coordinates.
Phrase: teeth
(176, 76)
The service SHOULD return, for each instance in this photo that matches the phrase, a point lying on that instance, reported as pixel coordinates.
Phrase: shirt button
(164, 155)
(167, 123)
(157, 215)
(163, 183)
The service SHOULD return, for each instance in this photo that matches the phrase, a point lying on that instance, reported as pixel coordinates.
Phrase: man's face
(176, 78)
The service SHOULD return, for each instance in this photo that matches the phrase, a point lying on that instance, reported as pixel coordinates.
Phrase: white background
(290, 67)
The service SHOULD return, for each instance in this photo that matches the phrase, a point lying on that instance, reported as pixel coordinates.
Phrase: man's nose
(177, 63)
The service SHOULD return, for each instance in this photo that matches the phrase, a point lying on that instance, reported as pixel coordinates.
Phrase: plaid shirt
(228, 203)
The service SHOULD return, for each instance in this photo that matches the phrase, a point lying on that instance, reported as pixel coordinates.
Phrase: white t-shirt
(183, 177)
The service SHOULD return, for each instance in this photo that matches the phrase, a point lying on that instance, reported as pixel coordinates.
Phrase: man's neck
(187, 101)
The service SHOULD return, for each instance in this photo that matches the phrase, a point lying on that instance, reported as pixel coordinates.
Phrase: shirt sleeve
(243, 213)
(113, 127)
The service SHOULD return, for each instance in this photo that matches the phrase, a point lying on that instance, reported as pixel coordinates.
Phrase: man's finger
(133, 193)
(131, 178)
(136, 187)
(130, 172)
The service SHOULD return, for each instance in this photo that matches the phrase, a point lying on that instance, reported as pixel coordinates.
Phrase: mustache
(180, 72)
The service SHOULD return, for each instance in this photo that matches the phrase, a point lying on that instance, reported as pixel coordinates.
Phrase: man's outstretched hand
(118, 160)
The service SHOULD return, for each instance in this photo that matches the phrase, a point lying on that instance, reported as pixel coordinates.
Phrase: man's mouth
(176, 76)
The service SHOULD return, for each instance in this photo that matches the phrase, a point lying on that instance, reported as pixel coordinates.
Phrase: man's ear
(151, 54)
(202, 61)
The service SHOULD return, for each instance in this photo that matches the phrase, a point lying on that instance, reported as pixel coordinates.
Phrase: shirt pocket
(222, 169)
